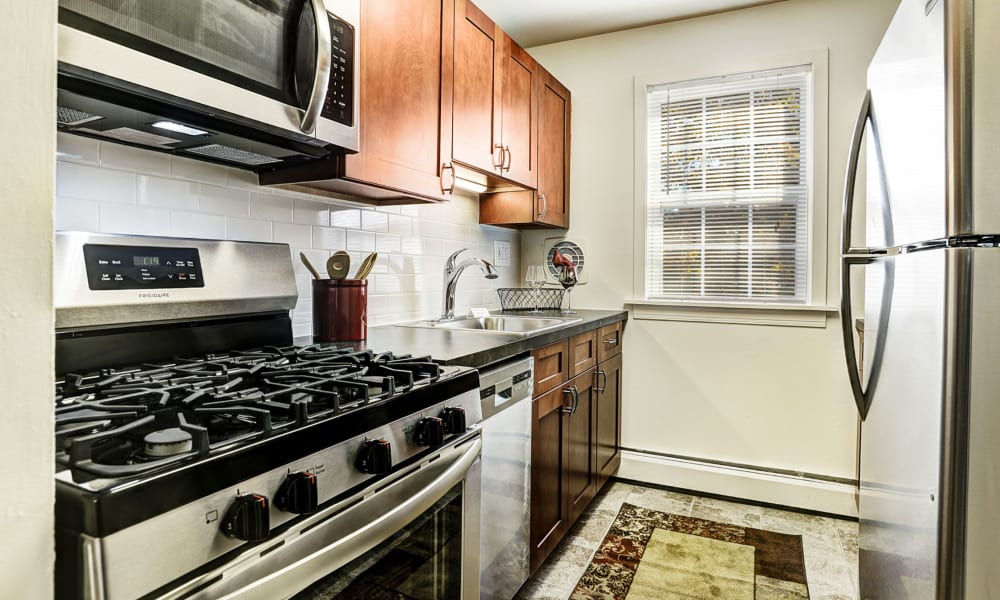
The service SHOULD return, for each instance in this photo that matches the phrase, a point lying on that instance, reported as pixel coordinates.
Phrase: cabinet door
(475, 91)
(552, 197)
(519, 114)
(580, 467)
(548, 499)
(608, 418)
(402, 105)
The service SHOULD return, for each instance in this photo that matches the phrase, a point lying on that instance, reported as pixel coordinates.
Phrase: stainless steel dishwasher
(505, 390)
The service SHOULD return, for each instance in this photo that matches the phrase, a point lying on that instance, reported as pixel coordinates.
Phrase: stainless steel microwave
(258, 84)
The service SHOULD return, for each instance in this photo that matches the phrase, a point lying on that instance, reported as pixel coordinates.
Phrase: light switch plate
(501, 253)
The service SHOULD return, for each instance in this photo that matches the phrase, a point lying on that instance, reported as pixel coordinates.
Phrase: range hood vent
(70, 117)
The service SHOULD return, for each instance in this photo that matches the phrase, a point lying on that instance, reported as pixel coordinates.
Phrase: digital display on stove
(146, 261)
(141, 267)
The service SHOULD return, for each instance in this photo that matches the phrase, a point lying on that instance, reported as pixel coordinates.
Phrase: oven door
(271, 62)
(414, 535)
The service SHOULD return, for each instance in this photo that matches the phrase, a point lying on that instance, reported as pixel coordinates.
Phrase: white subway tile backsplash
(307, 212)
(195, 225)
(360, 241)
(345, 218)
(329, 238)
(386, 243)
(197, 170)
(374, 221)
(228, 202)
(400, 225)
(122, 218)
(154, 194)
(248, 230)
(271, 208)
(118, 156)
(77, 148)
(94, 183)
(167, 193)
(239, 178)
(298, 236)
(73, 214)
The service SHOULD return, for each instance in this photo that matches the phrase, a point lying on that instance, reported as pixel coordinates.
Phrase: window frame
(813, 311)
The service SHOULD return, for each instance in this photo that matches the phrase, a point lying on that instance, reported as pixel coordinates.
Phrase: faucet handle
(450, 263)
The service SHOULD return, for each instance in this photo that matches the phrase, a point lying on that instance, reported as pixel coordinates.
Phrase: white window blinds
(727, 192)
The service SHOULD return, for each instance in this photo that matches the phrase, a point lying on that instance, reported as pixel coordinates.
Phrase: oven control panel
(141, 267)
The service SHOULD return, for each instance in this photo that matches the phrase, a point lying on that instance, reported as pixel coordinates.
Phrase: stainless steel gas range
(202, 455)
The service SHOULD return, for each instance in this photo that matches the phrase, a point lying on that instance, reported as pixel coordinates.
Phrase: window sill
(784, 315)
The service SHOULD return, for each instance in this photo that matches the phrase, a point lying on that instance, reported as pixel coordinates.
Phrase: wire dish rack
(524, 298)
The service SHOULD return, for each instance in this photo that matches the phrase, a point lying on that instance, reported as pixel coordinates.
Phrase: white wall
(110, 188)
(27, 118)
(770, 396)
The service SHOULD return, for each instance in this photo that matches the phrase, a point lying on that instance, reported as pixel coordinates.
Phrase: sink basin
(497, 324)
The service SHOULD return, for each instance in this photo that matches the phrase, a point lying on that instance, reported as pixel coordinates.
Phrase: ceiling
(538, 22)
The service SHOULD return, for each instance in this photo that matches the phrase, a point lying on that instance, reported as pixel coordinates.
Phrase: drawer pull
(611, 341)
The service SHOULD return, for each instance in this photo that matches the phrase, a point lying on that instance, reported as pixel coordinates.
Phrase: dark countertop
(475, 348)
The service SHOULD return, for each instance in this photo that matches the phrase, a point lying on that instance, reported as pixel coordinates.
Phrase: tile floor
(830, 545)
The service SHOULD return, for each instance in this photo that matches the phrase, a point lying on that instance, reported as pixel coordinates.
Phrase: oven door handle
(351, 532)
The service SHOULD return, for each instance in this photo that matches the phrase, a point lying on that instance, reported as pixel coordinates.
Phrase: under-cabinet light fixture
(178, 128)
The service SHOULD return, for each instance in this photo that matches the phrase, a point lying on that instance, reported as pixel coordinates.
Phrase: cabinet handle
(602, 373)
(611, 341)
(506, 151)
(447, 189)
(545, 206)
(496, 147)
(575, 395)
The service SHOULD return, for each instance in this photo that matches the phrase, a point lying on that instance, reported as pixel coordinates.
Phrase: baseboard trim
(755, 485)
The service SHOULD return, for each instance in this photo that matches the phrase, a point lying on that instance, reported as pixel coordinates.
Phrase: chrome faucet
(451, 273)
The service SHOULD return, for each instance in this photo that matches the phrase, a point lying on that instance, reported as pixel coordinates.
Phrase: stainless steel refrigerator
(927, 382)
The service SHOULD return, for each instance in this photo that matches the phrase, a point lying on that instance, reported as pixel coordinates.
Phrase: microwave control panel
(339, 104)
(141, 267)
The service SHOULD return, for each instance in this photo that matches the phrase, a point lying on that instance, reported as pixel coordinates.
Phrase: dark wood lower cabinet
(575, 448)
(581, 474)
(608, 421)
(549, 520)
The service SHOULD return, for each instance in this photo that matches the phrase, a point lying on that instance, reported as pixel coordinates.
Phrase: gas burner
(168, 442)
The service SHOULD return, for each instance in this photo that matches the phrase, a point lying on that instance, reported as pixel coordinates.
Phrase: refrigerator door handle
(847, 214)
(846, 323)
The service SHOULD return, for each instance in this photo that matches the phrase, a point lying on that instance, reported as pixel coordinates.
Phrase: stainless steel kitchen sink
(497, 324)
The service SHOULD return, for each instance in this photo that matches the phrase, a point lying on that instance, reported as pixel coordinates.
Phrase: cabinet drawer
(609, 341)
(551, 366)
(582, 352)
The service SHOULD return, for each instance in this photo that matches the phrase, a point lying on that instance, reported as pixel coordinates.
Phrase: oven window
(249, 43)
(423, 561)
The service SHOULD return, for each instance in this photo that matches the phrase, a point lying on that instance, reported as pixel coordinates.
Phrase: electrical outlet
(501, 253)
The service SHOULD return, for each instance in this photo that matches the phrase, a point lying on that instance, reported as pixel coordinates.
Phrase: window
(728, 188)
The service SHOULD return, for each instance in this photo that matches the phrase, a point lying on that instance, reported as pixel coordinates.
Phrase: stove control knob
(429, 432)
(298, 493)
(454, 419)
(375, 457)
(248, 518)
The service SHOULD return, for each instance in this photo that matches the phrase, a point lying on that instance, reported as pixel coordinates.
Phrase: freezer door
(906, 79)
(900, 435)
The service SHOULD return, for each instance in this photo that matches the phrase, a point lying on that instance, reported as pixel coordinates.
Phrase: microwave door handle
(324, 58)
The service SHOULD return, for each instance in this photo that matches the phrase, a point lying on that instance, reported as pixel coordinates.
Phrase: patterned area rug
(653, 555)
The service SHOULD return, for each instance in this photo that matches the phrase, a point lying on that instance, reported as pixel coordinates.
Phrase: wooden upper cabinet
(548, 205)
(552, 199)
(519, 115)
(476, 89)
(404, 109)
